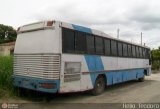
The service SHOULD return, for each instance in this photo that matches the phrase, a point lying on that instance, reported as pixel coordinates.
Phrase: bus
(59, 57)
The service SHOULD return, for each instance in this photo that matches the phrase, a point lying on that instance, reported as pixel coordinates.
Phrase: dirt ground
(129, 92)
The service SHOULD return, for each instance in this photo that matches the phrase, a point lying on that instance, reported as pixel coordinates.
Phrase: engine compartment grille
(46, 66)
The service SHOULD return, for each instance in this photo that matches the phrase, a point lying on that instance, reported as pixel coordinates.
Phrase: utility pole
(118, 33)
(141, 38)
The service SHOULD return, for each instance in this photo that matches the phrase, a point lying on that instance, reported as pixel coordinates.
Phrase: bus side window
(68, 45)
(107, 47)
(146, 55)
(114, 48)
(90, 44)
(137, 52)
(133, 51)
(140, 52)
(120, 49)
(144, 52)
(129, 51)
(125, 51)
(80, 38)
(99, 45)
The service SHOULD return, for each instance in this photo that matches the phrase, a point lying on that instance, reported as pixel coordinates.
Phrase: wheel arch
(145, 71)
(104, 76)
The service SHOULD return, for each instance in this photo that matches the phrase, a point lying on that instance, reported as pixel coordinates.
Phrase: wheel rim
(100, 85)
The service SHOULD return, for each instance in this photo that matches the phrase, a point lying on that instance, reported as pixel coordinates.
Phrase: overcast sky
(131, 16)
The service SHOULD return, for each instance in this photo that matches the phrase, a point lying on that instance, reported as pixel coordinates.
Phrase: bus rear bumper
(37, 84)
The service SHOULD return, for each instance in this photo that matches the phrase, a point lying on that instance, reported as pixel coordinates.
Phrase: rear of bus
(37, 57)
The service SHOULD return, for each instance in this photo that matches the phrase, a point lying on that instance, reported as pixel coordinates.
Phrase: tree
(155, 58)
(7, 33)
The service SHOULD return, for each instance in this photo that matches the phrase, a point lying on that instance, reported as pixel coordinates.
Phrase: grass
(156, 65)
(6, 71)
(7, 90)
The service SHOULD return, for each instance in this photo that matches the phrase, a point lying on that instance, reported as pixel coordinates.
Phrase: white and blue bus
(58, 57)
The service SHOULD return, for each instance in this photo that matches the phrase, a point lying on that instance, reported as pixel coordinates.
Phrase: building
(7, 48)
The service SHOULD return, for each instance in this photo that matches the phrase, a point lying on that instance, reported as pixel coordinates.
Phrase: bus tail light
(48, 85)
(49, 23)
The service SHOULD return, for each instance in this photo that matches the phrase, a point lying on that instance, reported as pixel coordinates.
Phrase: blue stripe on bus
(94, 63)
(34, 83)
(82, 29)
(120, 76)
(123, 75)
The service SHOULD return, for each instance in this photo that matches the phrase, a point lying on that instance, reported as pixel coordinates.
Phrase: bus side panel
(94, 63)
(109, 77)
(123, 75)
(116, 70)
(85, 82)
(124, 69)
(140, 73)
(115, 77)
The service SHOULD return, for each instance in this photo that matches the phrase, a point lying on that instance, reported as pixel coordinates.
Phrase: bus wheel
(141, 79)
(99, 85)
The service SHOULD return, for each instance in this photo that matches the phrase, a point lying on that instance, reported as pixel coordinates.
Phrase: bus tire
(99, 85)
(141, 79)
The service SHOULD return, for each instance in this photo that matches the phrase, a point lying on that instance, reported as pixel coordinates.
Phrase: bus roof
(76, 27)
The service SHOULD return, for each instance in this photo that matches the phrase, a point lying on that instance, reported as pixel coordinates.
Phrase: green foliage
(6, 70)
(155, 59)
(9, 31)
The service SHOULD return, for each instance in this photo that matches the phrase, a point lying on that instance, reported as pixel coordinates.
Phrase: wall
(7, 48)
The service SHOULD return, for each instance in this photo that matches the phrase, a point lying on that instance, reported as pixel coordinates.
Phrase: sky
(131, 17)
